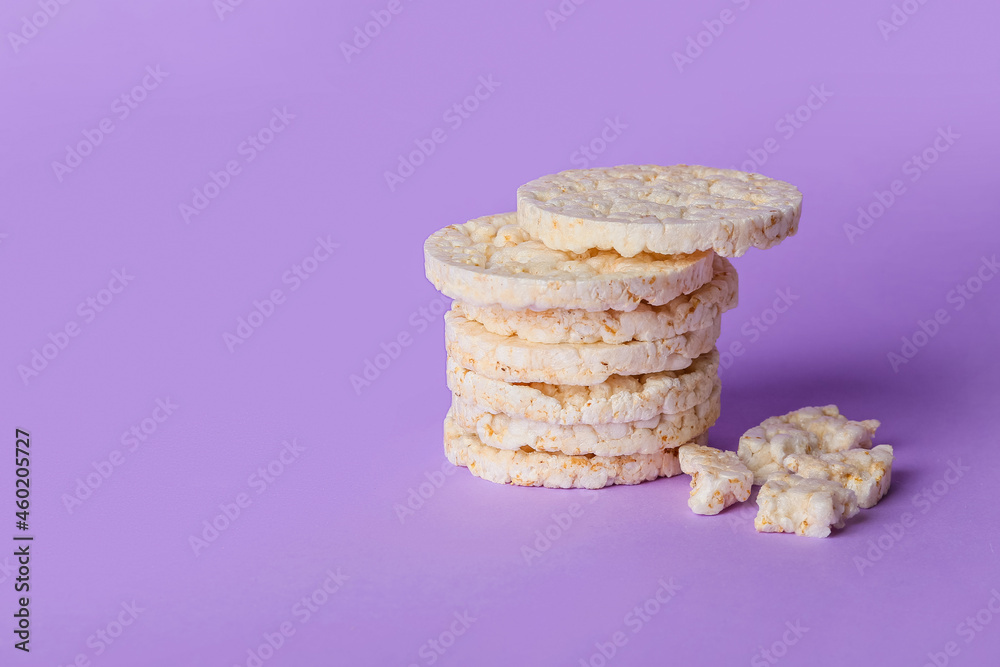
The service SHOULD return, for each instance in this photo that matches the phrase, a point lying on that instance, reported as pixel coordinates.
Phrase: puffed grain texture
(866, 472)
(793, 504)
(718, 478)
(560, 471)
(649, 208)
(492, 261)
(619, 399)
(651, 436)
(688, 312)
(512, 359)
(810, 430)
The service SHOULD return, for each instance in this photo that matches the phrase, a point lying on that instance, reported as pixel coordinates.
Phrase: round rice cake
(635, 209)
(665, 431)
(619, 399)
(492, 261)
(687, 312)
(513, 359)
(560, 471)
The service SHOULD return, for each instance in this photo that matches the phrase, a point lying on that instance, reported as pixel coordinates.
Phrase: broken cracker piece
(718, 478)
(836, 433)
(794, 504)
(812, 430)
(867, 472)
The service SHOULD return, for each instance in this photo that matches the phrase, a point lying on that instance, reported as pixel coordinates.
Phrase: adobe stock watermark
(758, 325)
(121, 108)
(132, 439)
(562, 12)
(778, 649)
(105, 636)
(302, 611)
(248, 149)
(786, 126)
(32, 24)
(703, 39)
(970, 628)
(741, 516)
(898, 17)
(922, 501)
(87, 311)
(258, 482)
(11, 570)
(559, 526)
(634, 621)
(454, 117)
(419, 320)
(7, 569)
(264, 309)
(435, 647)
(587, 153)
(914, 168)
(417, 497)
(225, 7)
(365, 34)
(958, 298)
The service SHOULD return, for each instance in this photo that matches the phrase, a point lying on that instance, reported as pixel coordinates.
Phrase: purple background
(335, 507)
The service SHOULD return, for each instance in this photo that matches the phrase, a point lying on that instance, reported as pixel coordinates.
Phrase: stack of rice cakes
(581, 340)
